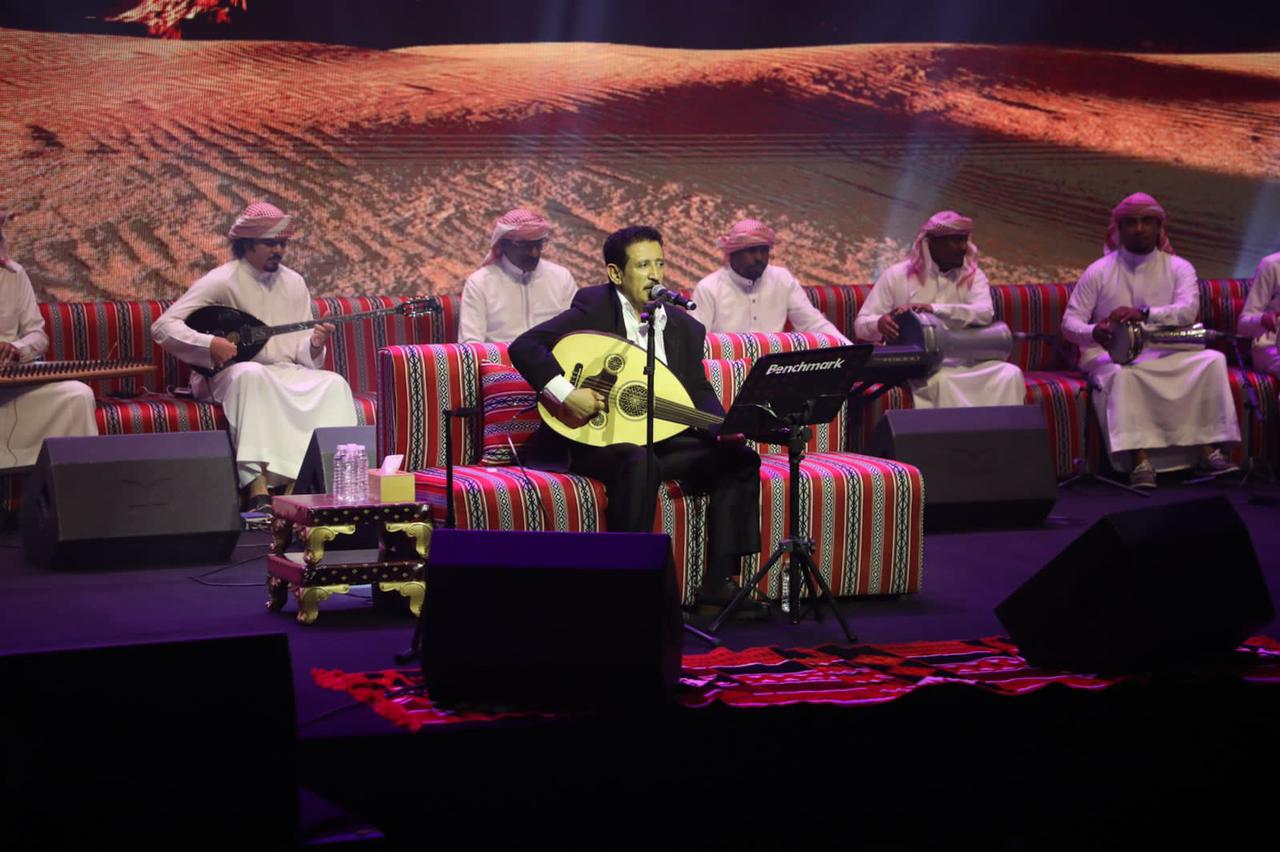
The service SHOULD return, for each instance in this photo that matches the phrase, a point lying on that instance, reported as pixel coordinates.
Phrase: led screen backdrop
(126, 157)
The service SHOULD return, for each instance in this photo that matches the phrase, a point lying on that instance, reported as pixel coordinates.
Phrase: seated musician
(515, 288)
(748, 293)
(1167, 408)
(31, 413)
(1258, 318)
(941, 277)
(720, 464)
(274, 401)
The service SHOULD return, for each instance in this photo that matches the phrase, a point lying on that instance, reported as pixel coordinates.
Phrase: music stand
(784, 395)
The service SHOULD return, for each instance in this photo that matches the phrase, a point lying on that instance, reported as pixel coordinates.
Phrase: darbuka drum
(1130, 338)
(937, 342)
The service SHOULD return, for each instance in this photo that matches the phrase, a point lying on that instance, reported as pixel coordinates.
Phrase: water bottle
(341, 473)
(359, 474)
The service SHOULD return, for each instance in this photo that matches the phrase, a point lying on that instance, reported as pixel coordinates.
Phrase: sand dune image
(128, 157)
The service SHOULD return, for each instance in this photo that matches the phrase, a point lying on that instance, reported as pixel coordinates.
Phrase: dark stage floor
(966, 575)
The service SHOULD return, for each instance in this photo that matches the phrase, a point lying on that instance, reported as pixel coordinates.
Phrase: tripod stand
(807, 387)
(798, 550)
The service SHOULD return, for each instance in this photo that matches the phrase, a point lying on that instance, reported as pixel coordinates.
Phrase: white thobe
(273, 402)
(726, 301)
(1167, 402)
(957, 383)
(500, 302)
(31, 413)
(1264, 295)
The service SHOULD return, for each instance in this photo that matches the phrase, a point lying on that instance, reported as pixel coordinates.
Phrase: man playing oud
(722, 466)
(274, 401)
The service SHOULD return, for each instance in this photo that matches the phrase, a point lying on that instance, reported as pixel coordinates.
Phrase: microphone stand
(649, 316)
(414, 651)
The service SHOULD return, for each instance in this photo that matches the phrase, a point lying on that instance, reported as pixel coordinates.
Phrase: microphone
(658, 293)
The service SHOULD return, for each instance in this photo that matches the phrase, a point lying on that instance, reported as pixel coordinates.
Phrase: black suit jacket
(598, 309)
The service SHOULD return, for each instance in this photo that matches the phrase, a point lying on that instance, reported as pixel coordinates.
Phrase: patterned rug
(828, 674)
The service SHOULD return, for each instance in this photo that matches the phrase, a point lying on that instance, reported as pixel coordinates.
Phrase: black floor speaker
(171, 745)
(551, 618)
(988, 466)
(116, 501)
(316, 475)
(1142, 590)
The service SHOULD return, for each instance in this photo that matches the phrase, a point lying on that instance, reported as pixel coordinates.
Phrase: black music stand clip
(782, 398)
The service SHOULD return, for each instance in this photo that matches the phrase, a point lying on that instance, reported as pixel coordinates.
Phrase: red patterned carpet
(829, 674)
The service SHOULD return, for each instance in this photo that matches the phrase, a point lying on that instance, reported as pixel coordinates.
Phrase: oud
(250, 334)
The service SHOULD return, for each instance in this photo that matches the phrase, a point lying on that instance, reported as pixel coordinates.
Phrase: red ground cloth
(829, 674)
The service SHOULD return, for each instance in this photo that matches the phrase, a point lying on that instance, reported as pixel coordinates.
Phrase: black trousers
(729, 473)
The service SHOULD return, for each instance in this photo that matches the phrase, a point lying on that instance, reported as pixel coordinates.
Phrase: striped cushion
(415, 383)
(507, 498)
(1036, 308)
(1063, 398)
(509, 412)
(366, 407)
(443, 327)
(1257, 408)
(158, 413)
(1221, 301)
(839, 303)
(354, 346)
(112, 331)
(753, 344)
(726, 377)
(865, 515)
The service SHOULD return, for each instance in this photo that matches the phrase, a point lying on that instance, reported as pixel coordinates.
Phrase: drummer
(941, 278)
(1165, 410)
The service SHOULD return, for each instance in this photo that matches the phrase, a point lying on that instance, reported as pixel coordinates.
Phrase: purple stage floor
(966, 575)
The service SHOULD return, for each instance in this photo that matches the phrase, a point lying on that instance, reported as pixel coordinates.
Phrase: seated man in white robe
(750, 294)
(1258, 318)
(515, 288)
(31, 413)
(941, 277)
(1167, 409)
(274, 401)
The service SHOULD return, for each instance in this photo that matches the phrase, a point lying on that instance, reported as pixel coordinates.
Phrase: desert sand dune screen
(127, 157)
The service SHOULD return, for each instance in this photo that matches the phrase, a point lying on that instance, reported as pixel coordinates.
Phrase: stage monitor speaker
(551, 618)
(1141, 590)
(173, 745)
(113, 501)
(988, 466)
(316, 476)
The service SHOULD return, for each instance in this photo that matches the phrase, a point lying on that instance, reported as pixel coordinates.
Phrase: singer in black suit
(721, 465)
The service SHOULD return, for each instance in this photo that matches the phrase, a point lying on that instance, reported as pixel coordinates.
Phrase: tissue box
(391, 487)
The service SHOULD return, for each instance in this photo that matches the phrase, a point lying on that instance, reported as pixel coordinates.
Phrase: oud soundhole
(631, 400)
(614, 363)
(597, 422)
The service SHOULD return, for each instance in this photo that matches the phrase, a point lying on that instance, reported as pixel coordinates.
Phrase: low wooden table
(316, 519)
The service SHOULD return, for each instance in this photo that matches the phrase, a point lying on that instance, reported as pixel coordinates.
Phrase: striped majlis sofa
(130, 405)
(1054, 383)
(866, 514)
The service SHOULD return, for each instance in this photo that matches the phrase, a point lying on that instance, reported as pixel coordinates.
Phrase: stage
(1180, 755)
